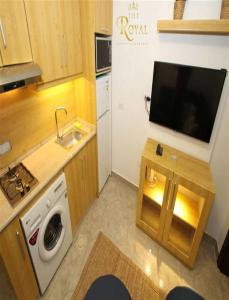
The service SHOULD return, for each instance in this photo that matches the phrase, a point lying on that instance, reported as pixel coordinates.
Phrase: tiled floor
(114, 214)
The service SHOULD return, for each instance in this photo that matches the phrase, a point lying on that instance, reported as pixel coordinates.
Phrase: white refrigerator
(103, 103)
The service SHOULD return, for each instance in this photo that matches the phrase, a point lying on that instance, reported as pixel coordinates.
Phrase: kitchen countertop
(44, 163)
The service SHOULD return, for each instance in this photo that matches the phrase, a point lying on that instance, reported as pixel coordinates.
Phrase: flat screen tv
(186, 98)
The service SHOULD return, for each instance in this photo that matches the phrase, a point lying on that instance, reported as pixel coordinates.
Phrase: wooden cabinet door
(17, 261)
(14, 36)
(103, 16)
(55, 35)
(81, 177)
(154, 190)
(76, 188)
(187, 214)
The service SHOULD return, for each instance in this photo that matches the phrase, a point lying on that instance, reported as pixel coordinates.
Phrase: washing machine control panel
(48, 204)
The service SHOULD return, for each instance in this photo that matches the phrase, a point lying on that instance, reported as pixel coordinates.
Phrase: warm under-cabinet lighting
(57, 89)
(63, 88)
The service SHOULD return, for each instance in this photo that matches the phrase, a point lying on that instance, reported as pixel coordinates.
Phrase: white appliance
(103, 101)
(47, 229)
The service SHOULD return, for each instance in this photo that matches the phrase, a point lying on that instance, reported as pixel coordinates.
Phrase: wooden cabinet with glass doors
(175, 197)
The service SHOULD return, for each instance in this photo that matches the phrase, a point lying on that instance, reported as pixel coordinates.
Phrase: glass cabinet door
(184, 212)
(154, 198)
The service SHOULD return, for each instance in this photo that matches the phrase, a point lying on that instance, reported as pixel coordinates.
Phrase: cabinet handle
(20, 244)
(3, 34)
(110, 55)
(84, 167)
(173, 198)
(168, 192)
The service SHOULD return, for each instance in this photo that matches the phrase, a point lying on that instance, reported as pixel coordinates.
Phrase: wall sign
(130, 26)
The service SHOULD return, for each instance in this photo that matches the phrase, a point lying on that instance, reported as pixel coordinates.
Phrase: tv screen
(186, 98)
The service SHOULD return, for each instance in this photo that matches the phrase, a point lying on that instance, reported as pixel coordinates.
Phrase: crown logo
(133, 6)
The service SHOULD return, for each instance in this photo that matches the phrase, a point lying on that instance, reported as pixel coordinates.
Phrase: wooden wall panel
(87, 109)
(27, 116)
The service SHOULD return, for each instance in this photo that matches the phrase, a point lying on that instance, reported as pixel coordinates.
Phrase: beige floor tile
(114, 214)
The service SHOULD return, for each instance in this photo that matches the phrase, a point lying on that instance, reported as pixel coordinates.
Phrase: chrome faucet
(59, 137)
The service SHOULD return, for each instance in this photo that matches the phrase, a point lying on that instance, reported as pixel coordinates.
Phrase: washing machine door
(52, 233)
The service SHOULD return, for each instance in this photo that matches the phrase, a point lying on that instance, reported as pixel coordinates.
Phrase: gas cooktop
(16, 183)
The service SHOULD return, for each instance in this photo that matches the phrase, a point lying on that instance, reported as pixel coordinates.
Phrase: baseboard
(120, 177)
(213, 242)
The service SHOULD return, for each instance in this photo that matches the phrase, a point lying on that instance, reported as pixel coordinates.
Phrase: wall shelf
(151, 214)
(214, 27)
(181, 236)
(185, 209)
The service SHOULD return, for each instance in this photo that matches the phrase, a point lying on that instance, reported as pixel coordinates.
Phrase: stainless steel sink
(71, 138)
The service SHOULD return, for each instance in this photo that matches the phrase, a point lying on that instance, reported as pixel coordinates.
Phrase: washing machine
(47, 230)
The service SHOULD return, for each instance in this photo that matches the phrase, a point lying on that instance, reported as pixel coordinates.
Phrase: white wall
(219, 221)
(132, 73)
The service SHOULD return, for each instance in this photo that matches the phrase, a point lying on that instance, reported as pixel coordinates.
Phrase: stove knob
(48, 204)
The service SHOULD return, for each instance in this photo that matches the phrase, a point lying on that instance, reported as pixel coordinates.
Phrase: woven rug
(105, 258)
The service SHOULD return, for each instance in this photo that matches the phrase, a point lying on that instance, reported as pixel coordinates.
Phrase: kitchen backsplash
(27, 115)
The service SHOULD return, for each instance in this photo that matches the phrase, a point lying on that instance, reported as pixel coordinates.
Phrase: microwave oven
(102, 53)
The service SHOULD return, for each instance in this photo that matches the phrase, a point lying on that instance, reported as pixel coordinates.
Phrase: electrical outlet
(147, 98)
(5, 147)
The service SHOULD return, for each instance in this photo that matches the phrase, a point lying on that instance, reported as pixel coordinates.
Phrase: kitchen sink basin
(71, 138)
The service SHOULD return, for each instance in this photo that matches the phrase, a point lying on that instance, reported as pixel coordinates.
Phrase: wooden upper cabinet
(14, 36)
(103, 16)
(55, 35)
